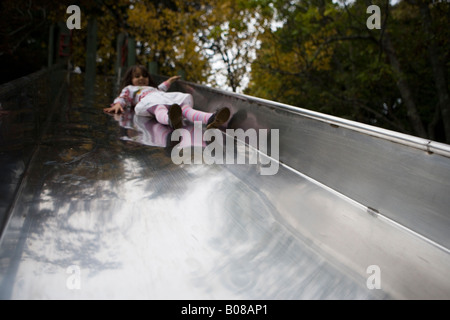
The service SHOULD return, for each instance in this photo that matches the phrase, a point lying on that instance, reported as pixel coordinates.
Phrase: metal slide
(101, 211)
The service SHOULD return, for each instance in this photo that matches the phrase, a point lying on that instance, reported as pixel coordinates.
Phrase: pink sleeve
(164, 86)
(124, 98)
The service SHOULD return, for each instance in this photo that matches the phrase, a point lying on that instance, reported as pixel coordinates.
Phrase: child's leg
(160, 134)
(168, 115)
(187, 107)
(159, 111)
(144, 109)
(161, 114)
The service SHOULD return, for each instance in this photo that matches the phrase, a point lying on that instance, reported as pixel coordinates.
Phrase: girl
(168, 108)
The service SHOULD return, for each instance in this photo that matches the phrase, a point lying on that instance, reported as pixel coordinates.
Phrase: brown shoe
(218, 118)
(175, 116)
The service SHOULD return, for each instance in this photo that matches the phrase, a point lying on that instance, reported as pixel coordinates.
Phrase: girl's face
(139, 79)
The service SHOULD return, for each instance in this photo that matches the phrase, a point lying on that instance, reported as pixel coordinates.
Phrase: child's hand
(117, 108)
(173, 79)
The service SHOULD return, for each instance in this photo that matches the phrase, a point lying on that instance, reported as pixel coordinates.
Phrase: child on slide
(169, 108)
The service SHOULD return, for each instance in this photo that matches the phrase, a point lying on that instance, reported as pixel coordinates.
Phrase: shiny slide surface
(102, 212)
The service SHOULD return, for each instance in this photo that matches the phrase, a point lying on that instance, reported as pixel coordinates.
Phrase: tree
(22, 42)
(165, 31)
(437, 59)
(323, 57)
(229, 39)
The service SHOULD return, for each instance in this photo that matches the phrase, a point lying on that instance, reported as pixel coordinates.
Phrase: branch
(333, 39)
(397, 125)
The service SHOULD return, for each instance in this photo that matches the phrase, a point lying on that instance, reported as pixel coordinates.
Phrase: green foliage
(324, 58)
(314, 54)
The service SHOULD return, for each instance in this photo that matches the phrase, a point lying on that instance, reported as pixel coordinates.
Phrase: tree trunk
(403, 87)
(438, 68)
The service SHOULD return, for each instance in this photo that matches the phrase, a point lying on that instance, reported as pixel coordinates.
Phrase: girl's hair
(126, 81)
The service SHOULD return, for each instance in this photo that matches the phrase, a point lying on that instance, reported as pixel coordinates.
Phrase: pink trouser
(160, 111)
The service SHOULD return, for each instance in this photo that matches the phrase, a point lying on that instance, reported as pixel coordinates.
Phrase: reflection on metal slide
(94, 206)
